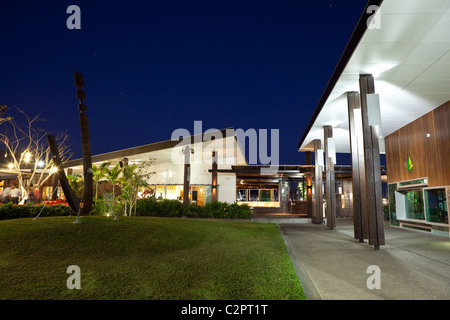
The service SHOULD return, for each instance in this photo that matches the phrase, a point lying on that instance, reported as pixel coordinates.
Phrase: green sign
(409, 164)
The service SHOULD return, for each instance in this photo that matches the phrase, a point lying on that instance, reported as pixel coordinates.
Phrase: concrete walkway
(331, 265)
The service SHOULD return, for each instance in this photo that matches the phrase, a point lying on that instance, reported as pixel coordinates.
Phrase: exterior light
(428, 135)
(10, 165)
(40, 164)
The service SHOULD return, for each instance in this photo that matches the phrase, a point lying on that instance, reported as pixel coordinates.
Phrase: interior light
(428, 135)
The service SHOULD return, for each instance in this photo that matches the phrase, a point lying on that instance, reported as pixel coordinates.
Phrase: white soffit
(409, 57)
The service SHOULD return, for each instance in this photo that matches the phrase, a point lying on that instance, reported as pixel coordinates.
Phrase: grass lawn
(139, 258)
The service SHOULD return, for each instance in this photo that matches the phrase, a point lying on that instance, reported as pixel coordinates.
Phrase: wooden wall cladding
(430, 155)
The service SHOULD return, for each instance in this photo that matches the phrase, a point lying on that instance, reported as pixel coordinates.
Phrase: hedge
(159, 208)
(145, 207)
(10, 211)
(174, 208)
(220, 210)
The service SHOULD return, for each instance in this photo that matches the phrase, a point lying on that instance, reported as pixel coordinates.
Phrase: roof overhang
(222, 141)
(409, 57)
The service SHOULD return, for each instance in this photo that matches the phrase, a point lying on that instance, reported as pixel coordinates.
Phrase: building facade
(419, 173)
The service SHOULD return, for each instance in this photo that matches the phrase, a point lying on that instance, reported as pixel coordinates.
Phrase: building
(389, 94)
(168, 161)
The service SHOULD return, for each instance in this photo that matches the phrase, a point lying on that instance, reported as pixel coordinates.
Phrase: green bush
(159, 208)
(170, 208)
(10, 211)
(174, 208)
(144, 207)
(220, 210)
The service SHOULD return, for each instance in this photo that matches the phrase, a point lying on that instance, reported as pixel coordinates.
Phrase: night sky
(151, 67)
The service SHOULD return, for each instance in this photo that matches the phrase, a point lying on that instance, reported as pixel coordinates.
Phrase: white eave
(409, 57)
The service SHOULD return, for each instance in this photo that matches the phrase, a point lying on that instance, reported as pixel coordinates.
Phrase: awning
(409, 57)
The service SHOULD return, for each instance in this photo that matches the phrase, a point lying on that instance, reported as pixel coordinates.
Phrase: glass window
(254, 195)
(414, 205)
(413, 182)
(160, 192)
(242, 195)
(436, 206)
(275, 195)
(264, 195)
(392, 207)
(208, 194)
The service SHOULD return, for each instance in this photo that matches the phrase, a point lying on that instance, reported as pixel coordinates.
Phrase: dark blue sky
(151, 67)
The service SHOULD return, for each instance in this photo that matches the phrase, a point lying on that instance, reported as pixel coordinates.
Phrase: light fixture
(10, 165)
(40, 164)
(428, 135)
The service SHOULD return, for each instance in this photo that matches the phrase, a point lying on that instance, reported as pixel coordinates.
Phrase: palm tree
(98, 173)
(76, 183)
(112, 175)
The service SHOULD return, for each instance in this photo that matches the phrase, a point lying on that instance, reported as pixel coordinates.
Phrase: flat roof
(409, 57)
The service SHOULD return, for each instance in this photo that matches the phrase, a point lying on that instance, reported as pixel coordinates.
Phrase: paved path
(333, 266)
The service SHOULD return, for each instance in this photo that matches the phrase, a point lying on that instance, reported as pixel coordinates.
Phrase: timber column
(308, 175)
(330, 156)
(88, 191)
(318, 203)
(372, 160)
(358, 166)
(214, 177)
(187, 177)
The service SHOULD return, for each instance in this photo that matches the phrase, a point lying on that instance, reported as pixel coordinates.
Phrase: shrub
(160, 208)
(10, 211)
(144, 207)
(170, 208)
(220, 210)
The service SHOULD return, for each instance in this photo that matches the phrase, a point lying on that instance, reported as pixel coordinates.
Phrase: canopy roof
(409, 58)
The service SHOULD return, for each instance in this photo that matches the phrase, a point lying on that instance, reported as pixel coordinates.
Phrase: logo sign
(409, 164)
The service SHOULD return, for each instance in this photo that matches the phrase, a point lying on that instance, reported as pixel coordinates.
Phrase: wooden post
(372, 155)
(187, 177)
(376, 222)
(358, 166)
(308, 175)
(330, 181)
(214, 177)
(318, 161)
(88, 191)
(54, 186)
